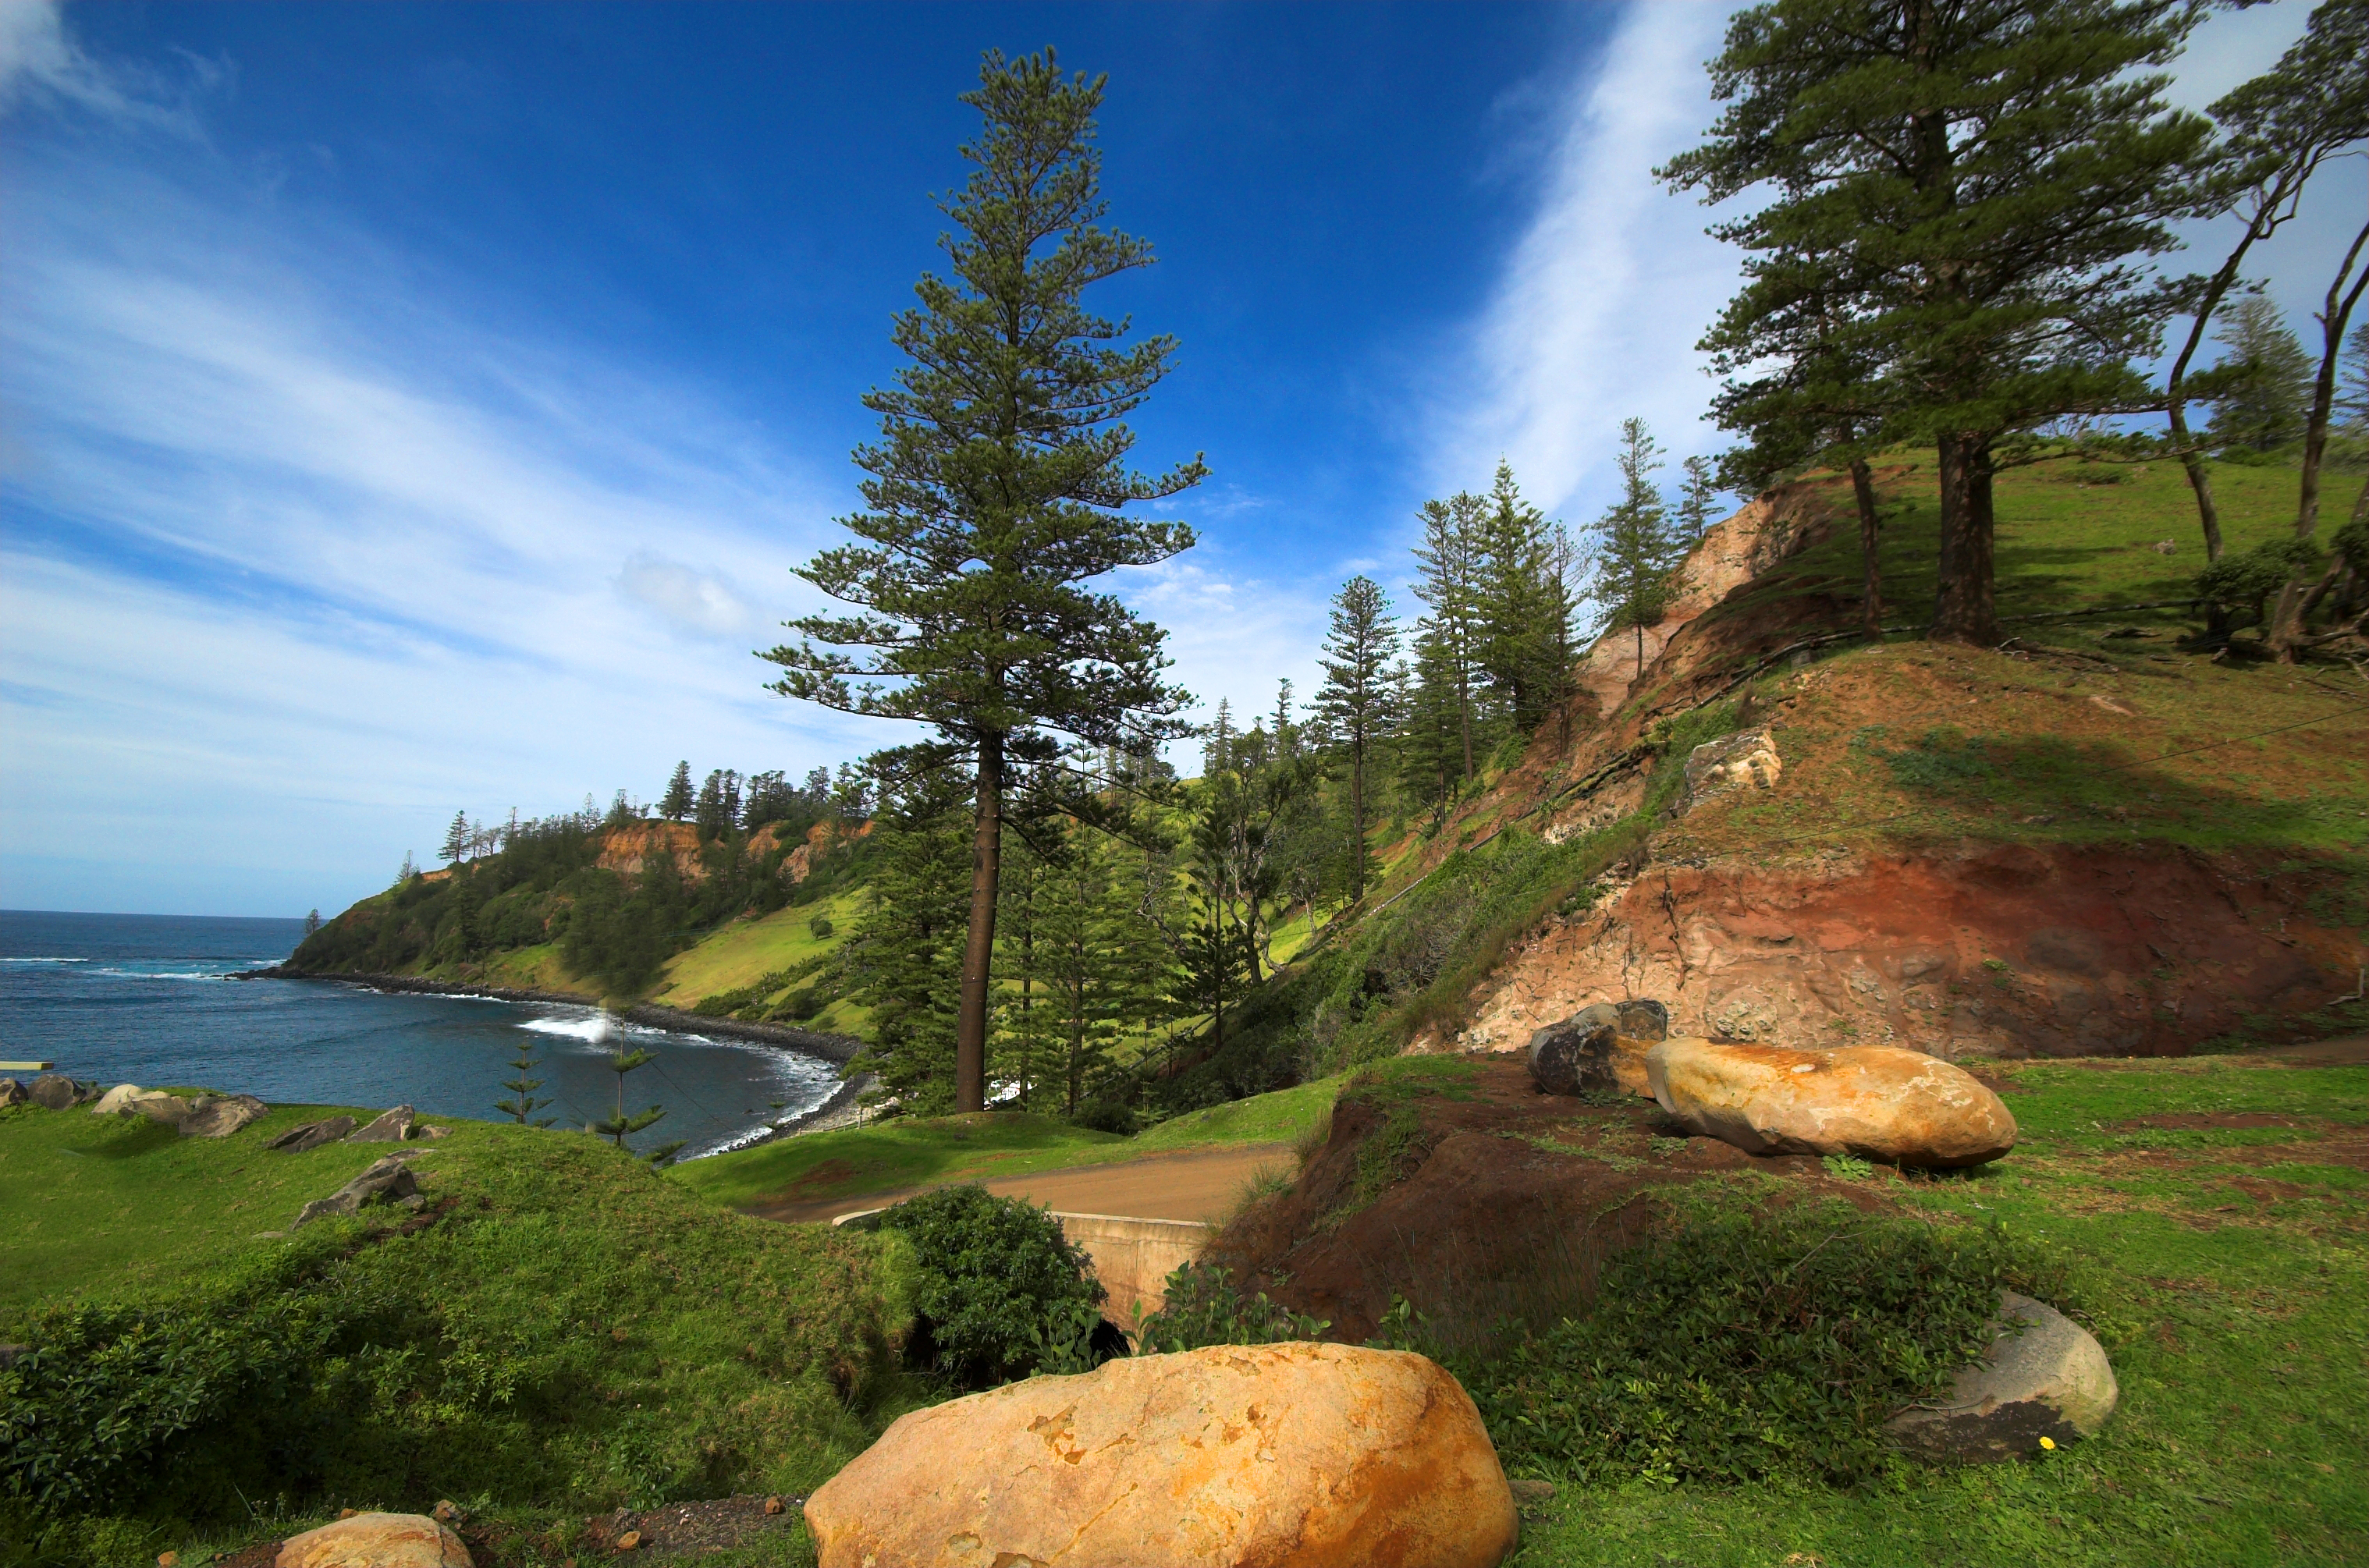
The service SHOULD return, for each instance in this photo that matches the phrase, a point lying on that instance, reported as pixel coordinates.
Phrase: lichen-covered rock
(220, 1115)
(391, 1126)
(156, 1106)
(13, 1092)
(1878, 1102)
(2050, 1380)
(376, 1540)
(54, 1091)
(115, 1101)
(1743, 762)
(1268, 1454)
(311, 1135)
(388, 1181)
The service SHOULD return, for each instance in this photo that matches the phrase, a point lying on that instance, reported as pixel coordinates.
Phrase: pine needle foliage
(997, 492)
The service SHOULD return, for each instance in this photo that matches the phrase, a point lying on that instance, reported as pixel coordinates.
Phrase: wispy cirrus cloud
(1599, 304)
(297, 547)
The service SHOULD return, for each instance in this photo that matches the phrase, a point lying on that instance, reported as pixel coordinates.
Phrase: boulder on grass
(2050, 1380)
(393, 1126)
(376, 1540)
(156, 1106)
(12, 1093)
(1878, 1102)
(220, 1115)
(116, 1100)
(1601, 1046)
(389, 1181)
(311, 1135)
(1235, 1454)
(54, 1091)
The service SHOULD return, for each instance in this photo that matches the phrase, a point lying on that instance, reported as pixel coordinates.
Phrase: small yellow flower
(2048, 1442)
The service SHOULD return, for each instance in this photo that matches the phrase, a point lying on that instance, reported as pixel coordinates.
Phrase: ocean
(147, 1000)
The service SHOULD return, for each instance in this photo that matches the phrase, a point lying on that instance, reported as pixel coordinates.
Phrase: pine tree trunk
(2286, 625)
(1871, 593)
(1464, 720)
(1966, 610)
(979, 950)
(1357, 819)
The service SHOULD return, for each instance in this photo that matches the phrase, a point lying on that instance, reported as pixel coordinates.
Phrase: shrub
(1105, 1115)
(1744, 1340)
(997, 1278)
(1202, 1306)
(116, 1398)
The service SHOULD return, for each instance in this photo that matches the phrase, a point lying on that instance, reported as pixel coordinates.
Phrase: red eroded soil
(1505, 1203)
(1998, 950)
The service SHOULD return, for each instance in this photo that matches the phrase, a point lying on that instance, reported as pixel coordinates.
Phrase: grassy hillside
(2217, 1212)
(945, 1150)
(572, 1332)
(560, 1329)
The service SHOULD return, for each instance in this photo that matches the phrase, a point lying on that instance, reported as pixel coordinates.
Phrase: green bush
(160, 1399)
(1745, 1340)
(1002, 1292)
(1202, 1306)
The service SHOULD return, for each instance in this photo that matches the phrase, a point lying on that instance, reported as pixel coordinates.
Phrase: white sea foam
(42, 960)
(587, 1029)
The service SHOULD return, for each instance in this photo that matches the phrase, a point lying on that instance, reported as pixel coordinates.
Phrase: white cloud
(697, 603)
(41, 61)
(1231, 638)
(1601, 302)
(297, 560)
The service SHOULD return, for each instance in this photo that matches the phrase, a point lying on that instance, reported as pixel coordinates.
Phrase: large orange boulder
(1263, 1454)
(1878, 1102)
(376, 1540)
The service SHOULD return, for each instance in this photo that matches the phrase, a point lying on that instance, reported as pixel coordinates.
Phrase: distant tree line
(527, 882)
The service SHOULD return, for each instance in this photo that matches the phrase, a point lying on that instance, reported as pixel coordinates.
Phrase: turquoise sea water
(147, 999)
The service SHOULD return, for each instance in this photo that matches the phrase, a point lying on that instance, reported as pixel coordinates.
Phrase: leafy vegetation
(1201, 1306)
(1000, 1291)
(1748, 1337)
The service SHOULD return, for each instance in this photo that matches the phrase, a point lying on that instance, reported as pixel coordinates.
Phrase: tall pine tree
(1355, 699)
(999, 489)
(1638, 556)
(1971, 184)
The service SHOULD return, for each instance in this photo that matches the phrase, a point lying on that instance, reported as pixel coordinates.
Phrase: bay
(147, 1000)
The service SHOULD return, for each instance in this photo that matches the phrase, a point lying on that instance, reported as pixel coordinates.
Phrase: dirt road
(1195, 1184)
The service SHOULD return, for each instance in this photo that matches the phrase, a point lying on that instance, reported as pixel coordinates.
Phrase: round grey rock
(2050, 1380)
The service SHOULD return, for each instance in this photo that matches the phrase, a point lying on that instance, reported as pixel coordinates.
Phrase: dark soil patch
(1998, 1083)
(1500, 1203)
(690, 1529)
(680, 1531)
(2212, 1118)
(821, 1181)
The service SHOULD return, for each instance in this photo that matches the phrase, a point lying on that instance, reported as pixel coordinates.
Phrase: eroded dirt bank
(1987, 950)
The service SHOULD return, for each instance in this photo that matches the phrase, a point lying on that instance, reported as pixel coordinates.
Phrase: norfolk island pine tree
(997, 489)
(1970, 184)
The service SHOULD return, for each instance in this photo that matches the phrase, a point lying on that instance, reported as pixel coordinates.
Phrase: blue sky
(405, 409)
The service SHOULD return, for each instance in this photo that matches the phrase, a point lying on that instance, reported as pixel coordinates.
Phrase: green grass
(915, 1151)
(740, 953)
(582, 1332)
(2227, 1289)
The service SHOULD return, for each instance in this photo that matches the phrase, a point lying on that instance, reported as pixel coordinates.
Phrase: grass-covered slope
(561, 1328)
(2215, 1214)
(939, 1150)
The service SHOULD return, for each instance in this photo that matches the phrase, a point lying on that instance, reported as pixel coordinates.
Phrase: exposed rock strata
(1999, 951)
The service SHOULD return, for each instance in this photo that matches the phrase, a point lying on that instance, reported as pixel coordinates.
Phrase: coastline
(838, 1048)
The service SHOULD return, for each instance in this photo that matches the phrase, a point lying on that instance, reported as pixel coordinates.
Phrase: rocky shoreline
(840, 1048)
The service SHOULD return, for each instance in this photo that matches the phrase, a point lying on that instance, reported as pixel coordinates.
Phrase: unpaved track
(1193, 1185)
